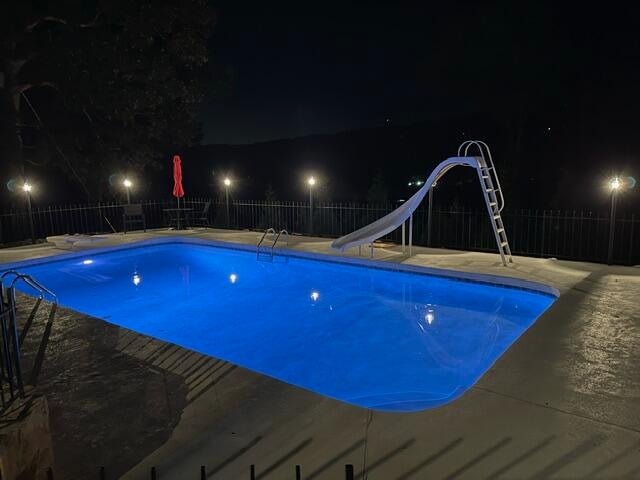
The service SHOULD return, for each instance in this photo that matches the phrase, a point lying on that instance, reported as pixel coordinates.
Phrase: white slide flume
(385, 225)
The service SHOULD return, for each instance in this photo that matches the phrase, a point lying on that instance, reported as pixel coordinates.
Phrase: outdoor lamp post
(615, 185)
(227, 184)
(311, 181)
(26, 188)
(127, 185)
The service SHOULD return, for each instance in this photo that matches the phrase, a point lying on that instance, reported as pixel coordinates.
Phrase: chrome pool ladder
(10, 337)
(29, 280)
(277, 235)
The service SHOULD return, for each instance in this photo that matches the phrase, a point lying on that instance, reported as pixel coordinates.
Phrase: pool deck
(562, 402)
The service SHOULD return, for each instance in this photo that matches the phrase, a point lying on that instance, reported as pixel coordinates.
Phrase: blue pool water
(376, 338)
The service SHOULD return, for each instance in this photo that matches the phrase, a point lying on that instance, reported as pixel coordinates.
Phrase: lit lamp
(127, 185)
(614, 185)
(26, 188)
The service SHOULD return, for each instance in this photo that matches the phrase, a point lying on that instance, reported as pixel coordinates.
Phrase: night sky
(304, 68)
(391, 89)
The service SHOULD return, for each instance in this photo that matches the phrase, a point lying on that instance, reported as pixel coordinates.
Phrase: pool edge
(459, 275)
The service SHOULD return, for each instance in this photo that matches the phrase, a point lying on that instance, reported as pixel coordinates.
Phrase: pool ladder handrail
(485, 154)
(277, 235)
(10, 356)
(264, 235)
(278, 238)
(29, 280)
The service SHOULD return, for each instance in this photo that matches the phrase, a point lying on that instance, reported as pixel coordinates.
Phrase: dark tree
(378, 192)
(103, 87)
(270, 194)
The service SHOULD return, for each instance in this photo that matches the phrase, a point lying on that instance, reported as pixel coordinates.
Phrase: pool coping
(463, 276)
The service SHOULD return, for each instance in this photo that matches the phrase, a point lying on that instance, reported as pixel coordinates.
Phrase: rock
(26, 450)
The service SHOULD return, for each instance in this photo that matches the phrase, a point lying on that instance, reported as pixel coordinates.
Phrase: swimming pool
(377, 338)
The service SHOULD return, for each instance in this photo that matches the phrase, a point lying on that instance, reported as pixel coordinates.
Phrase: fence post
(544, 216)
(298, 475)
(203, 473)
(633, 219)
(101, 220)
(252, 472)
(429, 216)
(348, 470)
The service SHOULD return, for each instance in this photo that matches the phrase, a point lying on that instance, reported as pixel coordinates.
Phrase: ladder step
(500, 230)
(504, 244)
(496, 217)
(493, 204)
(485, 176)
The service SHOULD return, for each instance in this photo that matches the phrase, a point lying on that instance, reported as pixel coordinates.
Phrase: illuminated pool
(372, 337)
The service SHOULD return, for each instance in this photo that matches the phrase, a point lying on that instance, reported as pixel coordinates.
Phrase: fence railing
(564, 234)
(154, 474)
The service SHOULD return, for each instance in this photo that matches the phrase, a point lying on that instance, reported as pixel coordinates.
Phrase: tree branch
(57, 147)
(46, 19)
(39, 21)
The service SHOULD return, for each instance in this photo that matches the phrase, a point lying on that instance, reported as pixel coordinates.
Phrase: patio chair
(133, 215)
(201, 219)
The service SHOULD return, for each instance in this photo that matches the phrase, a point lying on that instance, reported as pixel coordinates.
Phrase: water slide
(395, 219)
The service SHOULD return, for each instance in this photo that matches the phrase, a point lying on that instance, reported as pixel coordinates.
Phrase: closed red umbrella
(178, 191)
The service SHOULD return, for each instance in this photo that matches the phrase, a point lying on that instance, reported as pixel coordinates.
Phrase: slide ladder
(491, 189)
(492, 192)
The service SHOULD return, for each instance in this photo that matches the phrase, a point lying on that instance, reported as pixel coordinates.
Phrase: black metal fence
(154, 475)
(564, 234)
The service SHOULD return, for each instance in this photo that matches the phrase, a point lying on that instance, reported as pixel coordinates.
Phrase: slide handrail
(482, 147)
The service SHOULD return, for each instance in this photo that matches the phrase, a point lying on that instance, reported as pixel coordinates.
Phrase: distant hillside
(558, 169)
(539, 168)
(345, 163)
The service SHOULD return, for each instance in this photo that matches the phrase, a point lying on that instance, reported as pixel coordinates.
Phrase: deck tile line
(559, 410)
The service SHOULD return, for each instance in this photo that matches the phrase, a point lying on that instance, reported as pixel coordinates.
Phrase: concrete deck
(562, 402)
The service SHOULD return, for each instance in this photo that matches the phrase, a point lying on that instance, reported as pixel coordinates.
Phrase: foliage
(378, 192)
(113, 85)
(270, 194)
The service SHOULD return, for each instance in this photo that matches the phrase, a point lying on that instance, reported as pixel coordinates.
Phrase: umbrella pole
(178, 212)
